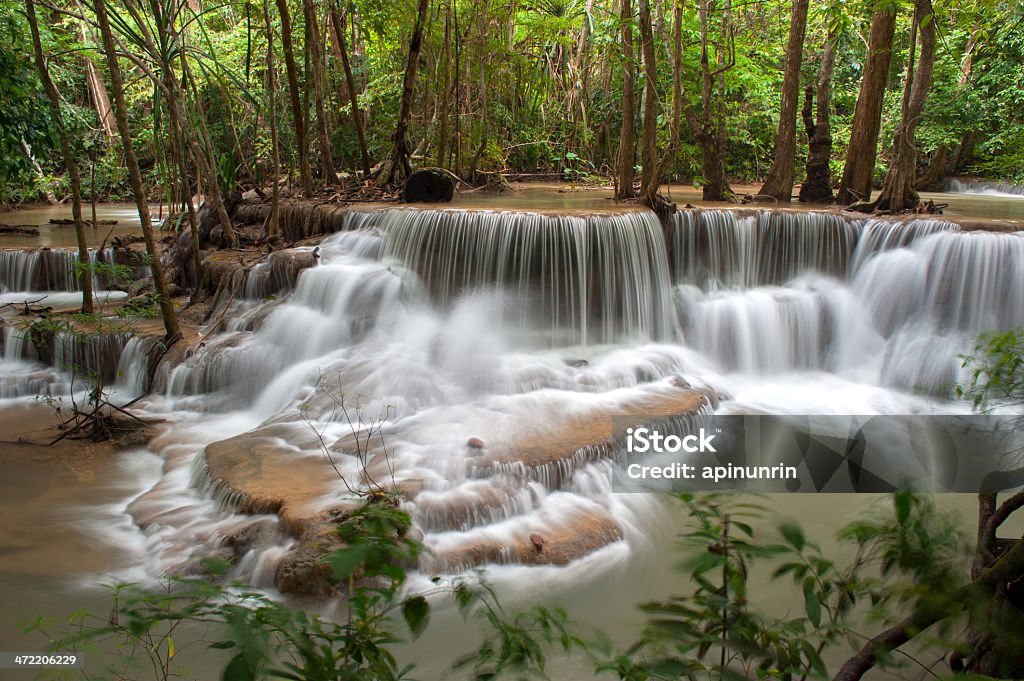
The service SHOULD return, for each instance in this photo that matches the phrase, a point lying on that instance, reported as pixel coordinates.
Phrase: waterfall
(775, 292)
(491, 350)
(54, 269)
(598, 278)
(1006, 189)
(744, 249)
(726, 249)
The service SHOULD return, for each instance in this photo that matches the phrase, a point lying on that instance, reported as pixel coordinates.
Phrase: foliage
(907, 555)
(534, 89)
(996, 368)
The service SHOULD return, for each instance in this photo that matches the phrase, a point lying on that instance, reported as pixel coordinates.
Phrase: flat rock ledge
(277, 469)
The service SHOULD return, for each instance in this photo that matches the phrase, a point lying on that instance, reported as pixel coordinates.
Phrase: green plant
(997, 368)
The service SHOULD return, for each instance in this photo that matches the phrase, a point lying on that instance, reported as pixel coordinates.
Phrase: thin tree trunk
(442, 141)
(899, 192)
(298, 120)
(313, 45)
(216, 194)
(338, 23)
(97, 90)
(859, 171)
(100, 98)
(677, 89)
(934, 177)
(397, 167)
(817, 186)
(179, 133)
(169, 85)
(274, 228)
(709, 128)
(627, 135)
(170, 318)
(649, 178)
(779, 183)
(85, 270)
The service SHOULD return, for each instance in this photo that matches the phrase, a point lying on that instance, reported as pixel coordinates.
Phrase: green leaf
(238, 670)
(416, 612)
(903, 503)
(345, 561)
(792, 533)
(811, 602)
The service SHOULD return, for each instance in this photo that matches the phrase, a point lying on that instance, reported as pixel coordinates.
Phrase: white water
(450, 325)
(1004, 189)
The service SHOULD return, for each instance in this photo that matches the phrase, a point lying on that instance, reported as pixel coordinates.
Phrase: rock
(680, 382)
(24, 230)
(475, 443)
(577, 363)
(428, 186)
(537, 541)
(303, 572)
(140, 287)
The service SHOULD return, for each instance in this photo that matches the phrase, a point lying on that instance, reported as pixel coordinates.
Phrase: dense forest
(710, 92)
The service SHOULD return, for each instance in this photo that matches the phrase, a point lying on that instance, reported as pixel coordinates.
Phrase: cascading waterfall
(59, 362)
(1006, 189)
(53, 269)
(599, 278)
(525, 333)
(776, 292)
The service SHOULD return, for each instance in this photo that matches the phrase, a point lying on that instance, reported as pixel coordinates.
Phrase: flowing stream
(523, 329)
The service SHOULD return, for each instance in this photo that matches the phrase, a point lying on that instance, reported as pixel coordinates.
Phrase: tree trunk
(298, 120)
(709, 128)
(316, 56)
(274, 226)
(934, 177)
(442, 137)
(779, 183)
(677, 98)
(85, 271)
(899, 192)
(338, 23)
(627, 135)
(817, 186)
(859, 171)
(649, 177)
(100, 99)
(170, 318)
(396, 166)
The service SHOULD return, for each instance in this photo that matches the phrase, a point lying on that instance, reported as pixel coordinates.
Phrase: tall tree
(170, 318)
(85, 269)
(627, 134)
(817, 185)
(312, 45)
(708, 128)
(294, 94)
(396, 166)
(779, 183)
(859, 171)
(649, 177)
(274, 226)
(338, 23)
(898, 191)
